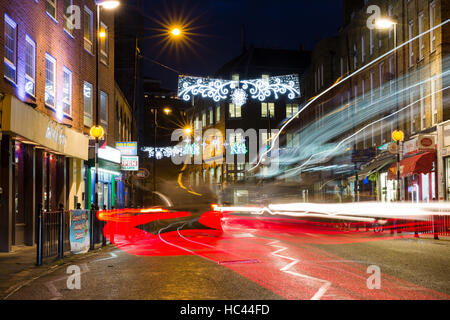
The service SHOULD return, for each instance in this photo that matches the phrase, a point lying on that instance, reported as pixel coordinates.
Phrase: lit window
(267, 110)
(291, 110)
(432, 24)
(204, 119)
(410, 45)
(211, 116)
(10, 49)
(217, 114)
(68, 24)
(50, 8)
(371, 41)
(104, 45)
(234, 111)
(67, 91)
(421, 42)
(363, 49)
(88, 30)
(433, 102)
(88, 103)
(30, 66)
(50, 80)
(104, 109)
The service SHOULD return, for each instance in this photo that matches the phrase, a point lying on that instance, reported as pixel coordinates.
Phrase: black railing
(54, 233)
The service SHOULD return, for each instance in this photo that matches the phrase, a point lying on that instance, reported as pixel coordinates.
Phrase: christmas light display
(258, 89)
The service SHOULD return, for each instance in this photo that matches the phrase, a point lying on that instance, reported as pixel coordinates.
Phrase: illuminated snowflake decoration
(239, 97)
(257, 89)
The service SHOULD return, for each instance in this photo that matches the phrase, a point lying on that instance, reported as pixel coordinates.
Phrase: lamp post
(97, 131)
(167, 111)
(398, 136)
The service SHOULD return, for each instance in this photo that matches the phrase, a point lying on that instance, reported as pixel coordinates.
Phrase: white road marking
(113, 256)
(322, 290)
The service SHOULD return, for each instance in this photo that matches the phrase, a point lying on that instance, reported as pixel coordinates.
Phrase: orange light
(214, 206)
(97, 132)
(176, 32)
(102, 34)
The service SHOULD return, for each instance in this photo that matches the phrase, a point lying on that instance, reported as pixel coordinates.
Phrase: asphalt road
(251, 259)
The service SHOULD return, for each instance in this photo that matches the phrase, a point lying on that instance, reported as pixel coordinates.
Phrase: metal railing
(53, 234)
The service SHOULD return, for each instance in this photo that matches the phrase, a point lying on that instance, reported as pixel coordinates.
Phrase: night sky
(216, 31)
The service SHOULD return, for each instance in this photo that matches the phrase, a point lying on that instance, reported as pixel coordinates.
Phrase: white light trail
(339, 82)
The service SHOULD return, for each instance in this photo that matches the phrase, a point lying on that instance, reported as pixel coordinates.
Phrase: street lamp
(97, 131)
(176, 32)
(167, 111)
(398, 136)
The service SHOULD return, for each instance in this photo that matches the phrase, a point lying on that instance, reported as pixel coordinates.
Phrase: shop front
(109, 178)
(419, 175)
(41, 164)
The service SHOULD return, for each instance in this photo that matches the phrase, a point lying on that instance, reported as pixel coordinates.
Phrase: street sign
(127, 148)
(130, 163)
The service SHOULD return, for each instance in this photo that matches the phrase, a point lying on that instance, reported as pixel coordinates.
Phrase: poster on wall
(79, 231)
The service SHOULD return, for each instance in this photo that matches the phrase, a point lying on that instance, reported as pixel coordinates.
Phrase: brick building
(47, 105)
(387, 90)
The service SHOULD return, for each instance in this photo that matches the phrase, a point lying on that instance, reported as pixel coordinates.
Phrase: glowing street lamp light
(398, 136)
(108, 4)
(97, 132)
(176, 32)
(167, 111)
(384, 23)
(188, 130)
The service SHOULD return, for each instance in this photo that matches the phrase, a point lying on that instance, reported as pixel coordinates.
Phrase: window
(268, 109)
(355, 57)
(50, 8)
(88, 30)
(197, 123)
(390, 13)
(291, 110)
(50, 80)
(104, 109)
(432, 24)
(421, 42)
(422, 106)
(217, 114)
(30, 66)
(67, 91)
(412, 110)
(292, 140)
(381, 74)
(363, 49)
(10, 49)
(392, 73)
(342, 67)
(234, 111)
(433, 102)
(204, 119)
(265, 78)
(371, 86)
(68, 24)
(235, 78)
(410, 45)
(88, 103)
(371, 42)
(104, 45)
(211, 116)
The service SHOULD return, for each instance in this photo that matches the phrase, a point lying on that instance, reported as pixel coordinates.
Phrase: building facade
(47, 107)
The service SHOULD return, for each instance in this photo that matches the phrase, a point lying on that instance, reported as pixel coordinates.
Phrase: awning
(422, 163)
(375, 166)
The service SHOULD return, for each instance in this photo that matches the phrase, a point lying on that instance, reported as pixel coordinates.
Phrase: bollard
(91, 227)
(435, 228)
(39, 238)
(61, 232)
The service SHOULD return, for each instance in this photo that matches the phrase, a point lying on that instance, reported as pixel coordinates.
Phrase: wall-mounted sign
(421, 143)
(127, 148)
(109, 154)
(55, 132)
(142, 173)
(130, 163)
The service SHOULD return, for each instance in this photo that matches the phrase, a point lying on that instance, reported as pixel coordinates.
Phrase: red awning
(422, 163)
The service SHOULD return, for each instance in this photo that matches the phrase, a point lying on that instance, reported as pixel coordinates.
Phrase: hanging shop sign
(79, 231)
(421, 143)
(127, 148)
(142, 174)
(130, 163)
